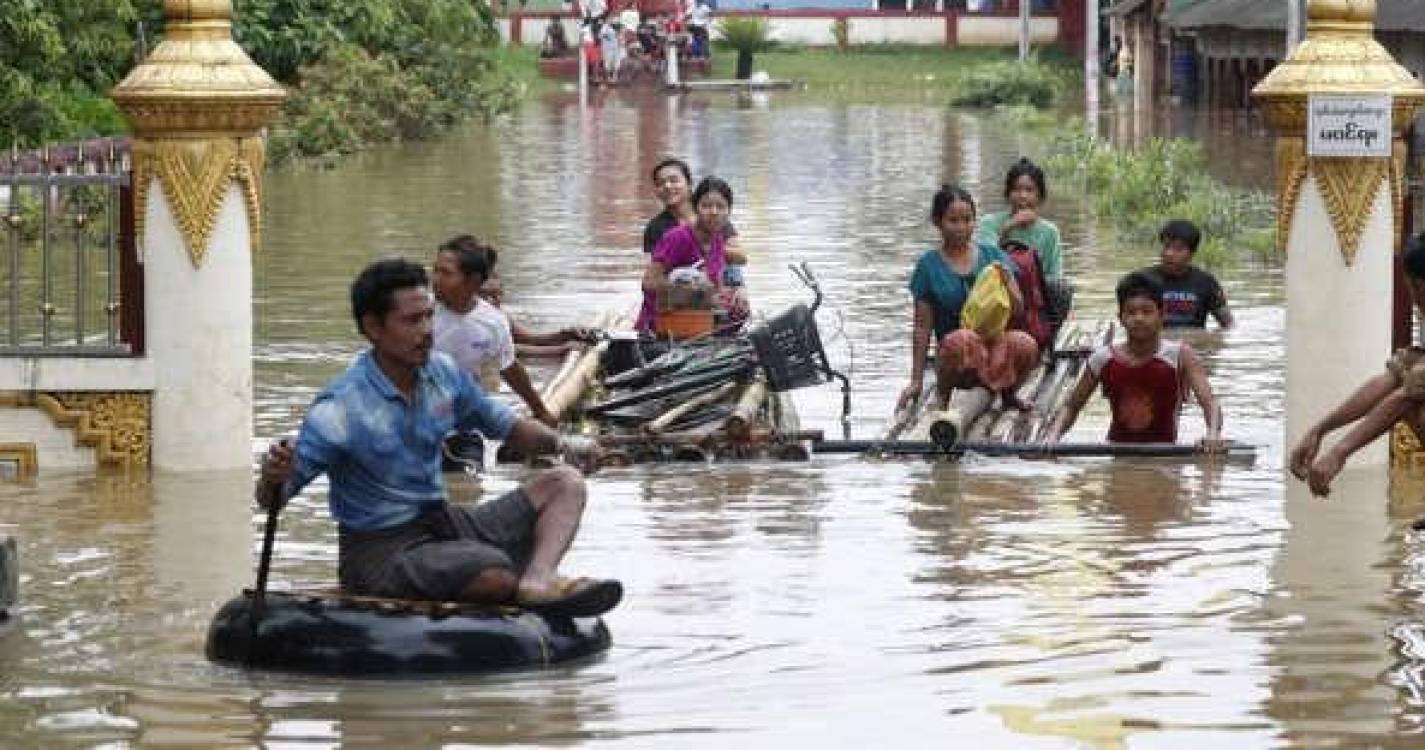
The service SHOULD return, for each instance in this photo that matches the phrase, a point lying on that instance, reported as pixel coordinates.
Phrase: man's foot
(571, 597)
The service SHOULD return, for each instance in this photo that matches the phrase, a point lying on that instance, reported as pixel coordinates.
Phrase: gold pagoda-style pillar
(198, 106)
(1339, 105)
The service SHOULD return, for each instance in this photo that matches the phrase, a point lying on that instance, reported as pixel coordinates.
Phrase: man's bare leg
(558, 497)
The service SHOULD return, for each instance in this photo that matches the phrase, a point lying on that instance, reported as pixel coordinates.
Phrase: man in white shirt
(475, 333)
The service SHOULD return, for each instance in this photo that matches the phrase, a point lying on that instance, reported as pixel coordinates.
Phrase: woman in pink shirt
(702, 245)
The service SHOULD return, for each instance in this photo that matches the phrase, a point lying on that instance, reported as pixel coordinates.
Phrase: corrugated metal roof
(1124, 7)
(1391, 15)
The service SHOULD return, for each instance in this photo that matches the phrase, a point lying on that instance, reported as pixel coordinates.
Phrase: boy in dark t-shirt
(1189, 293)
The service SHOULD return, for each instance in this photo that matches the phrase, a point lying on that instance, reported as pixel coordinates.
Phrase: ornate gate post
(198, 105)
(1339, 105)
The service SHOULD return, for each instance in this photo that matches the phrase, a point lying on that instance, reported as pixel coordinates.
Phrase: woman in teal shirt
(1025, 191)
(940, 284)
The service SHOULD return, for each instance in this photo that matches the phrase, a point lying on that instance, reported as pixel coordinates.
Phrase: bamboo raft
(974, 422)
(698, 401)
(709, 397)
(973, 414)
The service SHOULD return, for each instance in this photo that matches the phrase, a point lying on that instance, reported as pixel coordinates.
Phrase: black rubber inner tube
(342, 636)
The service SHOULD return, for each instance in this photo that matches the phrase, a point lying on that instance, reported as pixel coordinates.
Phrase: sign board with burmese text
(1348, 126)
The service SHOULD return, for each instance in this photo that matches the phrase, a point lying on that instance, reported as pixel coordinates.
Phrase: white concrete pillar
(1092, 78)
(198, 106)
(1338, 224)
(198, 323)
(1338, 316)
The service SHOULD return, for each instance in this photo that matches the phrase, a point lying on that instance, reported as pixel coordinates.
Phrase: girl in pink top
(702, 242)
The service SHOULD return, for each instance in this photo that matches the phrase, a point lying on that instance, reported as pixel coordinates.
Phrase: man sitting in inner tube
(376, 432)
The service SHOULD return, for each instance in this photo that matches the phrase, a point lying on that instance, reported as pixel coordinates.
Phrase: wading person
(1190, 294)
(1025, 191)
(475, 333)
(375, 431)
(530, 343)
(699, 246)
(940, 286)
(1145, 379)
(673, 186)
(1393, 395)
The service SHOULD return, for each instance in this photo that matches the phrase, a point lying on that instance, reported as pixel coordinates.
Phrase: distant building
(1227, 46)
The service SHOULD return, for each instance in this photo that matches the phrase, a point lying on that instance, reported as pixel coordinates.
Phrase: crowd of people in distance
(626, 44)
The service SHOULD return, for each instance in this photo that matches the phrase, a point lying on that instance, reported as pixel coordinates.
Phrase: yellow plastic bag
(988, 308)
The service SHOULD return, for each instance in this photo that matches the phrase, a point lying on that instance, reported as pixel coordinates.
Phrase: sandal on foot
(574, 597)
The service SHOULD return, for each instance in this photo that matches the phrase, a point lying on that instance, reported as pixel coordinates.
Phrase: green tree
(58, 59)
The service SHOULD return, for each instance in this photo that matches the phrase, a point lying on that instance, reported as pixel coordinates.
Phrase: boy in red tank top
(1145, 379)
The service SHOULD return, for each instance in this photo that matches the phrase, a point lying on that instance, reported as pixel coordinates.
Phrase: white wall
(56, 448)
(532, 30)
(998, 31)
(901, 30)
(75, 374)
(813, 31)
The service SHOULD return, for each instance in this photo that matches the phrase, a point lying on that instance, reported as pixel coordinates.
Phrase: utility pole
(1294, 28)
(1024, 29)
(1092, 83)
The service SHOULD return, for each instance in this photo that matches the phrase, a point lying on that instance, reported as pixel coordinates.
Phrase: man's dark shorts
(436, 555)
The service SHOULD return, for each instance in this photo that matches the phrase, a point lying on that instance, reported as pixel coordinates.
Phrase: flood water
(844, 602)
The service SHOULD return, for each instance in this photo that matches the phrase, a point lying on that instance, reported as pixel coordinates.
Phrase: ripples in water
(845, 601)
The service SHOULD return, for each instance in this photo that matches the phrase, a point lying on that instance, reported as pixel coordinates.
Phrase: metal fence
(70, 284)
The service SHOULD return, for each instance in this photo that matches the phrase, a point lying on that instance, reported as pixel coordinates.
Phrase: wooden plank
(1235, 450)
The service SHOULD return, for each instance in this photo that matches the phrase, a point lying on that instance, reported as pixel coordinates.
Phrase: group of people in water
(440, 342)
(1146, 378)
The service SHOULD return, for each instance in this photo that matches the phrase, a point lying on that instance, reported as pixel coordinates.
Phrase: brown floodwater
(847, 602)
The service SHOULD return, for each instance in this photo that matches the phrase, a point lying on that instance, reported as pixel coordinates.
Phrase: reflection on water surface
(856, 603)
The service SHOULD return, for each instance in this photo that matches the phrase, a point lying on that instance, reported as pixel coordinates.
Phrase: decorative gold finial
(198, 10)
(198, 105)
(1339, 56)
(1341, 11)
(198, 80)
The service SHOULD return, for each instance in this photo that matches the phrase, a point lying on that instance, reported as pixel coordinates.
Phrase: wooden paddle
(264, 564)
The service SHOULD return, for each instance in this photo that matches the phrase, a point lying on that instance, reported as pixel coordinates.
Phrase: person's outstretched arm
(1223, 314)
(922, 325)
(518, 379)
(1066, 417)
(1375, 423)
(1355, 406)
(1196, 376)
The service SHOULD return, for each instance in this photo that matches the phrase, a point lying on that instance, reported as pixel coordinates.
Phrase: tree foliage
(58, 59)
(416, 65)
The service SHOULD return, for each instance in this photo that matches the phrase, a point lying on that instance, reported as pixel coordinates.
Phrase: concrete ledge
(9, 575)
(76, 374)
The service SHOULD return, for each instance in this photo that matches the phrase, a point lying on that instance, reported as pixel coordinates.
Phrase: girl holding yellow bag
(966, 295)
